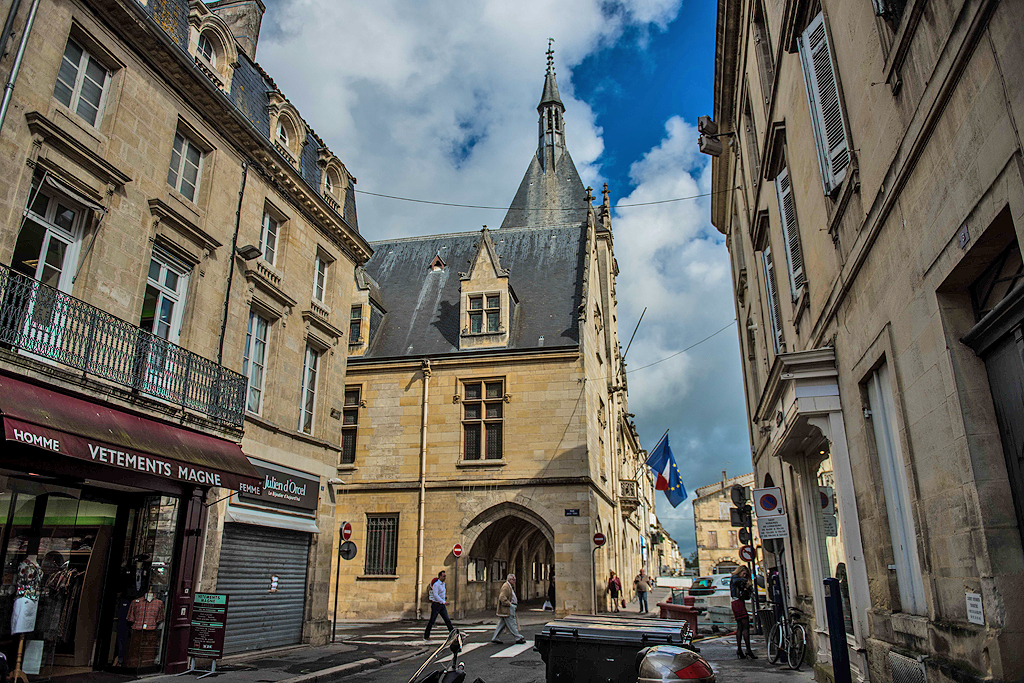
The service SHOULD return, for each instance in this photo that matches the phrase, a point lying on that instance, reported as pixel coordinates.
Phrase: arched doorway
(507, 539)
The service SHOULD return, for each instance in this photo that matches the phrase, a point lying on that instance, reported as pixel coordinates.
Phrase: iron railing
(42, 321)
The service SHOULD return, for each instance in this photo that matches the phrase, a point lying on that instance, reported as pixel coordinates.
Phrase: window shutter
(823, 98)
(790, 232)
(774, 312)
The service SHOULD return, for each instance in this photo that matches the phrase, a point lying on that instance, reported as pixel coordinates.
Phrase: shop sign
(206, 628)
(282, 487)
(119, 457)
(773, 527)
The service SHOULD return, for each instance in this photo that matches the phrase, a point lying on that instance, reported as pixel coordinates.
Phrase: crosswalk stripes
(514, 650)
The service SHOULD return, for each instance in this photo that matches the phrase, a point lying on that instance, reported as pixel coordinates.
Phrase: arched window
(328, 183)
(282, 132)
(206, 50)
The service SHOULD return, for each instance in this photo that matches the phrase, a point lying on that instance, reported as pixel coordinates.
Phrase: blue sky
(435, 99)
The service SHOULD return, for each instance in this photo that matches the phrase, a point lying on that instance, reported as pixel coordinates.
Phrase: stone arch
(478, 524)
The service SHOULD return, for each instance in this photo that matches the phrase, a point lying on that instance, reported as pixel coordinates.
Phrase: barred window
(349, 423)
(483, 414)
(381, 544)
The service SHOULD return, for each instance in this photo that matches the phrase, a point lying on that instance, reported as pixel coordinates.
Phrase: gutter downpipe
(8, 25)
(9, 88)
(231, 266)
(423, 490)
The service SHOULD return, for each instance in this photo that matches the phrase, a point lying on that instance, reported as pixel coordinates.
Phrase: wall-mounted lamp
(249, 252)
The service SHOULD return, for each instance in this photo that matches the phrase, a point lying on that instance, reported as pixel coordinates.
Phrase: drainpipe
(9, 88)
(231, 266)
(423, 490)
(8, 25)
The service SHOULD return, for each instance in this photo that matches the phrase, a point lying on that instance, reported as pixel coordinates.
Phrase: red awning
(106, 436)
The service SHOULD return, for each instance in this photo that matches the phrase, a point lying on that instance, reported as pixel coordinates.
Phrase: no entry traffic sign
(747, 553)
(346, 531)
(457, 550)
(599, 539)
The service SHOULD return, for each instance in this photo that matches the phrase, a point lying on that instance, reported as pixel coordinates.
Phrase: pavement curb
(336, 673)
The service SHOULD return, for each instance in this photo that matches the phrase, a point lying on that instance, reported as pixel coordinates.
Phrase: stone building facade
(183, 260)
(718, 542)
(486, 406)
(871, 189)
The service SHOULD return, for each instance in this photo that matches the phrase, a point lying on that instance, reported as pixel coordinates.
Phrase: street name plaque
(206, 629)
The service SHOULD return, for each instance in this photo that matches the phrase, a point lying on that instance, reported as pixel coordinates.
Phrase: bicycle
(788, 639)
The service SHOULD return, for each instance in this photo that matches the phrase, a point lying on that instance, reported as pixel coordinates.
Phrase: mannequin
(146, 615)
(134, 582)
(26, 604)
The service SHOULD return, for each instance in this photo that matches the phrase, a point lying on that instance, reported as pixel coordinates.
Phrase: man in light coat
(506, 612)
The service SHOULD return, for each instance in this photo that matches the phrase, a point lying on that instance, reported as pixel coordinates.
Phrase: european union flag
(663, 464)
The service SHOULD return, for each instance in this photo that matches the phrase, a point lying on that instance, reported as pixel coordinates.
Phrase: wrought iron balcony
(41, 321)
(629, 495)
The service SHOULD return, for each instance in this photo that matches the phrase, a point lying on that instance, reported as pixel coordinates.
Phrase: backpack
(430, 588)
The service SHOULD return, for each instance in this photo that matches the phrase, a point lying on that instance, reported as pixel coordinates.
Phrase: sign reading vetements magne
(118, 457)
(206, 628)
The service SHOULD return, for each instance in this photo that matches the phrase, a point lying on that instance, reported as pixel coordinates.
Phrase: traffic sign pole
(337, 578)
(457, 552)
(598, 542)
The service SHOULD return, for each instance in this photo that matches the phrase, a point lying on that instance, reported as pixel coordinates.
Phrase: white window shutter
(827, 114)
(774, 311)
(790, 232)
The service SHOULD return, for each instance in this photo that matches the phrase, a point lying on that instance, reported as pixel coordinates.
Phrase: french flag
(663, 465)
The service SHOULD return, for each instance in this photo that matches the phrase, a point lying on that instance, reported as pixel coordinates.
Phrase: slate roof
(545, 272)
(550, 93)
(547, 199)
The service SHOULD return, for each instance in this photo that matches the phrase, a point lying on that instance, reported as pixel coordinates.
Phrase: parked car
(711, 591)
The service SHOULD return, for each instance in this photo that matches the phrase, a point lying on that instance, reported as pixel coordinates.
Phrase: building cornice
(793, 366)
(362, 364)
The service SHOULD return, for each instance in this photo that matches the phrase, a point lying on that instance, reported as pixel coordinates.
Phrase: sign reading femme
(283, 487)
(206, 628)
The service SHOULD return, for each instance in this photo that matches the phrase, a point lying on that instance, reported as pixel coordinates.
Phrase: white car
(711, 591)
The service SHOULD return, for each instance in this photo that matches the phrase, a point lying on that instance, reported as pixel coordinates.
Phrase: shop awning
(271, 519)
(77, 428)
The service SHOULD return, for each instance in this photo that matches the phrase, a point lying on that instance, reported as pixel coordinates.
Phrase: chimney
(243, 17)
(724, 478)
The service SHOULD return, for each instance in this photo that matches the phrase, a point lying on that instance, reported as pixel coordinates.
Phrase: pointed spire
(550, 94)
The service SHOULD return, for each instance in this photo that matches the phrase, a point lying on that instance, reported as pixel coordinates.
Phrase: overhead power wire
(506, 208)
(730, 324)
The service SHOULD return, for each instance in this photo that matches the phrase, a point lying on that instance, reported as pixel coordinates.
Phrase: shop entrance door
(71, 558)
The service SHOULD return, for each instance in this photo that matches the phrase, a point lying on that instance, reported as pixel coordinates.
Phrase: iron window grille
(350, 421)
(483, 419)
(43, 321)
(381, 545)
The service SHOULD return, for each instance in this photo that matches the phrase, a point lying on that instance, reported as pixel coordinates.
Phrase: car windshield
(703, 583)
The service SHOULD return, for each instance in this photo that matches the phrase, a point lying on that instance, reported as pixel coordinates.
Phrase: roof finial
(551, 57)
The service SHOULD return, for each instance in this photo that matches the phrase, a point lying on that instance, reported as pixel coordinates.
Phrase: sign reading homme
(282, 487)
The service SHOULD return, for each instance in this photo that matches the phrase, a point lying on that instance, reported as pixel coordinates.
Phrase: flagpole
(660, 440)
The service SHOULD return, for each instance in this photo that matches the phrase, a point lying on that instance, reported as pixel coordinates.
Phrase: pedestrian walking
(438, 604)
(642, 584)
(507, 603)
(741, 588)
(614, 589)
(551, 595)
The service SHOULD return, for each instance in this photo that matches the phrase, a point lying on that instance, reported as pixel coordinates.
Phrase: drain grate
(906, 669)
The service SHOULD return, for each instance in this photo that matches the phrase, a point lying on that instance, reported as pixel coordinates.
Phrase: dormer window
(206, 50)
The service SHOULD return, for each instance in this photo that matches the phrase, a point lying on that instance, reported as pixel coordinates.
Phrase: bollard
(837, 631)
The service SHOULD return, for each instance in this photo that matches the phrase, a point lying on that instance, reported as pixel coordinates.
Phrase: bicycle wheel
(775, 648)
(797, 646)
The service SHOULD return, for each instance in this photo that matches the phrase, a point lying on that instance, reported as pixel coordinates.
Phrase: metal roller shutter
(259, 619)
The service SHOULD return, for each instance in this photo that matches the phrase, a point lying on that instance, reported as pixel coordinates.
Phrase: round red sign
(346, 531)
(457, 550)
(747, 553)
(599, 539)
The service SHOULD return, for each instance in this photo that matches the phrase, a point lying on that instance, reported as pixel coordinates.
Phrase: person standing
(507, 603)
(438, 604)
(741, 588)
(642, 584)
(614, 588)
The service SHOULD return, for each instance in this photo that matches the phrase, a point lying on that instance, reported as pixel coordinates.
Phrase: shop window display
(71, 558)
